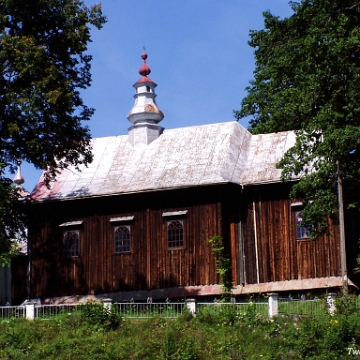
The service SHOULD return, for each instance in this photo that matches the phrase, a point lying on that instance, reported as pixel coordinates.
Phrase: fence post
(330, 299)
(273, 304)
(191, 306)
(30, 310)
(107, 304)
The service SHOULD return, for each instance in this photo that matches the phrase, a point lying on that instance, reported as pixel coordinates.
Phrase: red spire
(144, 70)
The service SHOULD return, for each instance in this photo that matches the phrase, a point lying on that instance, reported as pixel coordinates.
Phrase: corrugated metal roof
(182, 157)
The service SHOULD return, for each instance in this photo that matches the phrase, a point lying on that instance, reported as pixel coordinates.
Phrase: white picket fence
(140, 310)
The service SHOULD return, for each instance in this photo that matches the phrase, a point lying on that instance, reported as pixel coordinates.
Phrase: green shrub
(95, 314)
(223, 266)
(228, 314)
(220, 331)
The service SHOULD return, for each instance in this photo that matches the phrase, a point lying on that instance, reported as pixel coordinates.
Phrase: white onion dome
(145, 109)
(18, 179)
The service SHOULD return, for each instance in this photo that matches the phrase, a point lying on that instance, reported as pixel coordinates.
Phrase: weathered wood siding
(19, 279)
(272, 252)
(257, 224)
(149, 265)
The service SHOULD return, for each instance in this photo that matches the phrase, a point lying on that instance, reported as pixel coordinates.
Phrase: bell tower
(145, 114)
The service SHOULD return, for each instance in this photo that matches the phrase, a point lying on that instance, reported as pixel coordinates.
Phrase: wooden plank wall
(19, 279)
(352, 235)
(257, 224)
(149, 265)
(272, 251)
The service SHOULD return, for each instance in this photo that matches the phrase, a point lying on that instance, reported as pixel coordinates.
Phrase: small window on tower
(148, 88)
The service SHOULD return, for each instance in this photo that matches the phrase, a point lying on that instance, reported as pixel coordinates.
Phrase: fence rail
(8, 312)
(301, 307)
(148, 310)
(272, 307)
(240, 307)
(45, 311)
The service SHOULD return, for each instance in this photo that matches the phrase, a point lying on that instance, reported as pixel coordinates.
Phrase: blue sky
(197, 51)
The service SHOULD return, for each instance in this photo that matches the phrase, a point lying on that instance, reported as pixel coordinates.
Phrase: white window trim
(294, 204)
(122, 219)
(175, 213)
(71, 223)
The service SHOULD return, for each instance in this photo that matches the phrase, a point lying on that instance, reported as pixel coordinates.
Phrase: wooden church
(136, 222)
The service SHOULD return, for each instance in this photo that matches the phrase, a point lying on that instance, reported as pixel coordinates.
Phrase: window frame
(129, 229)
(181, 240)
(68, 244)
(302, 232)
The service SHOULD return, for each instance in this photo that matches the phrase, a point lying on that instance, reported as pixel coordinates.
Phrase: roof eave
(47, 200)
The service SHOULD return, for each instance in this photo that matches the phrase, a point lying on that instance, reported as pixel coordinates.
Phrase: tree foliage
(43, 67)
(307, 79)
(223, 266)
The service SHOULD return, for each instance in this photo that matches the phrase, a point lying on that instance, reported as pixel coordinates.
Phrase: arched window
(122, 239)
(175, 232)
(71, 243)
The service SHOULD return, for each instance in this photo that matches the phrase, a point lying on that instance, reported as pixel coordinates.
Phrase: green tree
(43, 67)
(307, 79)
(223, 265)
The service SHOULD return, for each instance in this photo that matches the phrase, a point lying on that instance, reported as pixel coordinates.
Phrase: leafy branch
(223, 265)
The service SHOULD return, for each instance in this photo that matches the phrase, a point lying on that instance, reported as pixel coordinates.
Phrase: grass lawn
(215, 333)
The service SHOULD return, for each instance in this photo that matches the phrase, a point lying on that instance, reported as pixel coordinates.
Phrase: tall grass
(215, 333)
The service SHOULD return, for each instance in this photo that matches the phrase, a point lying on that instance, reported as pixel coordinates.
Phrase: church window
(71, 243)
(122, 239)
(303, 231)
(175, 233)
